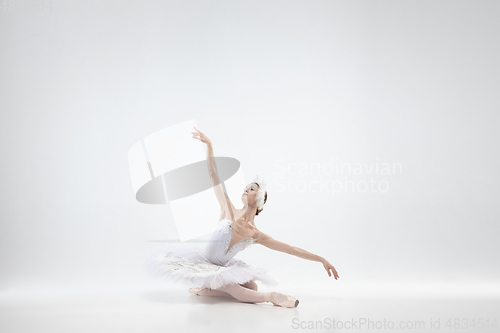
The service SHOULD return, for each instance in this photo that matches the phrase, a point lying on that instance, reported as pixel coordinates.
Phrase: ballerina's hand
(329, 267)
(200, 136)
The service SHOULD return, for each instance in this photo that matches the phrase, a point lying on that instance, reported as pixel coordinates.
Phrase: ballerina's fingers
(335, 274)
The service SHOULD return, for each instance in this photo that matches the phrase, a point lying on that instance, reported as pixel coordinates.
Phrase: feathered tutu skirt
(191, 266)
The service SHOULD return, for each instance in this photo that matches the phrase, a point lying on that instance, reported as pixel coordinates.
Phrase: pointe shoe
(203, 291)
(195, 291)
(289, 302)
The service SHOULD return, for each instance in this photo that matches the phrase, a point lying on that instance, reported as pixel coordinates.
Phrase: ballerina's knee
(235, 290)
(251, 285)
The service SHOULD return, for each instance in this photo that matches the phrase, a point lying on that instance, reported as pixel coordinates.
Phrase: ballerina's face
(248, 196)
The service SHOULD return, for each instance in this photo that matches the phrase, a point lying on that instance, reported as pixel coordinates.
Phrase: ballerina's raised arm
(222, 198)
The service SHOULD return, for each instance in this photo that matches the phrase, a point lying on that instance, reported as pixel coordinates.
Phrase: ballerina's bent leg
(213, 293)
(243, 294)
(219, 293)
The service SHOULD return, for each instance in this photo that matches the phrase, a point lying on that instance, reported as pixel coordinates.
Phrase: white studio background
(281, 86)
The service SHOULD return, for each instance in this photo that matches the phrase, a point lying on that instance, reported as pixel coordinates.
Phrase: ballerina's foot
(202, 291)
(279, 299)
(195, 291)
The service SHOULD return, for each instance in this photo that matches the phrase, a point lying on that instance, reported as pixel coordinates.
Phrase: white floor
(354, 308)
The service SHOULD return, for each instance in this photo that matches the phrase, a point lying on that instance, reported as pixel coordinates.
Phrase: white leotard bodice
(217, 249)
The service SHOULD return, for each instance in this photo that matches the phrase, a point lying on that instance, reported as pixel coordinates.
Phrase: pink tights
(243, 293)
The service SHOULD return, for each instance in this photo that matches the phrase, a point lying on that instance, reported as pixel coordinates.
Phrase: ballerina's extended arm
(273, 244)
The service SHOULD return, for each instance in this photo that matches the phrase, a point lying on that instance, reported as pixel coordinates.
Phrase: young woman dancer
(215, 269)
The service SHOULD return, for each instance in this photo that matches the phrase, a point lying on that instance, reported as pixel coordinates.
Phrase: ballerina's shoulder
(260, 237)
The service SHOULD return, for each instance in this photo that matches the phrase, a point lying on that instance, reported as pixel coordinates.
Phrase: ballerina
(215, 269)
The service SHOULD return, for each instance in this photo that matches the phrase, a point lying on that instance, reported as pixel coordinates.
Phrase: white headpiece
(260, 181)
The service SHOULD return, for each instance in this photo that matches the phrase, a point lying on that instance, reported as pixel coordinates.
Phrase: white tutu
(188, 266)
(212, 268)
